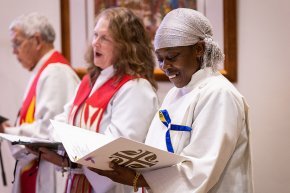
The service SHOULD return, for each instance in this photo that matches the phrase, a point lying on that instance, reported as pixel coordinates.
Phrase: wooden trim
(81, 71)
(230, 43)
(230, 40)
(158, 74)
(65, 28)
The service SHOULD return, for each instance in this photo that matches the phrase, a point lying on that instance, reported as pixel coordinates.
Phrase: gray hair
(185, 27)
(34, 23)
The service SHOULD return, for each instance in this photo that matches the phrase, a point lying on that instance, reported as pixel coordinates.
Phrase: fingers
(95, 170)
(113, 175)
(118, 174)
(120, 169)
(1, 128)
(104, 172)
(6, 124)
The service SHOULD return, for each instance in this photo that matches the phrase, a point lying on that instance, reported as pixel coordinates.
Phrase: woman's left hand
(121, 175)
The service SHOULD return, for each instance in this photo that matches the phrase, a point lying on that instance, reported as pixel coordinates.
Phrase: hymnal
(96, 150)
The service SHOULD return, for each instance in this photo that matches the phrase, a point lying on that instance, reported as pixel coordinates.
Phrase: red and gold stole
(95, 105)
(93, 108)
(28, 106)
(26, 115)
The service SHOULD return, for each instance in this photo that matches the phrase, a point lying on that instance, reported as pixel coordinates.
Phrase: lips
(172, 75)
(98, 54)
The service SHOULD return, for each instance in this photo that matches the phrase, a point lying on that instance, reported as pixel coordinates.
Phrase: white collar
(109, 71)
(196, 79)
(105, 75)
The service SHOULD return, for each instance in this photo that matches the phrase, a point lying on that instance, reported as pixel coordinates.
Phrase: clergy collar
(105, 75)
(196, 79)
(109, 71)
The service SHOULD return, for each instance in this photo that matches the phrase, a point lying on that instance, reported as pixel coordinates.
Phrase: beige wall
(13, 77)
(263, 70)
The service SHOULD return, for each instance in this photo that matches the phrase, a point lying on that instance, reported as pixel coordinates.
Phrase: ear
(38, 39)
(199, 48)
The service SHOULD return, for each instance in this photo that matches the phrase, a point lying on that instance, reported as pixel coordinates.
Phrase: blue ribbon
(165, 119)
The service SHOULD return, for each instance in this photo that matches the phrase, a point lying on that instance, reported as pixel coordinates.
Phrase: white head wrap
(185, 27)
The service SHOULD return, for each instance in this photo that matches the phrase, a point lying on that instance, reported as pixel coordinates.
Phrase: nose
(164, 65)
(96, 42)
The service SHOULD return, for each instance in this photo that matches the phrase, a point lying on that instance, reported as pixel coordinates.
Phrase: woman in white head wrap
(186, 27)
(211, 114)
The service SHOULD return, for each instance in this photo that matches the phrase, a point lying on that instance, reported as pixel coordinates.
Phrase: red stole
(95, 105)
(28, 106)
(91, 115)
(29, 172)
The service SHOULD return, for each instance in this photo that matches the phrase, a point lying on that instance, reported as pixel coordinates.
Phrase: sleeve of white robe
(132, 110)
(218, 119)
(55, 87)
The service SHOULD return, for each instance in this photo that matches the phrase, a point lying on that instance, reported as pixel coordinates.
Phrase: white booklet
(96, 150)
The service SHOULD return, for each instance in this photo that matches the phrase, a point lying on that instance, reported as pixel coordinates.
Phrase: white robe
(218, 145)
(128, 114)
(55, 87)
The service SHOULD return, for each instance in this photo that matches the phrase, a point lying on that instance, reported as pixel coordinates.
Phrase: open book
(97, 150)
(31, 141)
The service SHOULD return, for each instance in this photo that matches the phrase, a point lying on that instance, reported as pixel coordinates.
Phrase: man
(52, 84)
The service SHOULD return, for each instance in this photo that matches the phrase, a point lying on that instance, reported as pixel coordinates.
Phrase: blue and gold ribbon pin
(165, 119)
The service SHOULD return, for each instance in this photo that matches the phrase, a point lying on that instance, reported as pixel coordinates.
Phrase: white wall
(263, 69)
(81, 26)
(13, 77)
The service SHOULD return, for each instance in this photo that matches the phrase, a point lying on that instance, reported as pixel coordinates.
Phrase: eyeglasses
(17, 43)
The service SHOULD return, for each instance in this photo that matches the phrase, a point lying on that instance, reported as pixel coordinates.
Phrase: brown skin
(4, 125)
(121, 175)
(49, 156)
(179, 63)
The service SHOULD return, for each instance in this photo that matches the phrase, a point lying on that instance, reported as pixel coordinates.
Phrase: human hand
(1, 128)
(121, 175)
(4, 125)
(53, 157)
